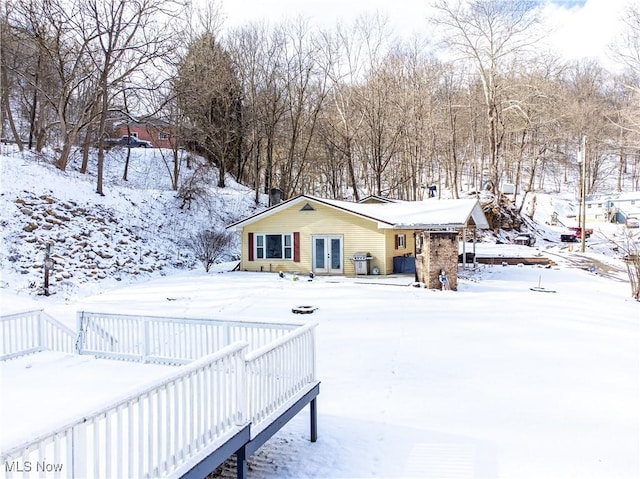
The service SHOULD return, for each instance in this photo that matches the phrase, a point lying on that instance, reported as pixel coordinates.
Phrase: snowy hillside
(136, 229)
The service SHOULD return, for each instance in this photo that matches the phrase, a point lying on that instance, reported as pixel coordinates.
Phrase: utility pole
(583, 199)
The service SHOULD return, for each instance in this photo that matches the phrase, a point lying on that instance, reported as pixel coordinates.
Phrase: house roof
(428, 214)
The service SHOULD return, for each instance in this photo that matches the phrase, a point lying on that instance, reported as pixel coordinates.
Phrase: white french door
(327, 254)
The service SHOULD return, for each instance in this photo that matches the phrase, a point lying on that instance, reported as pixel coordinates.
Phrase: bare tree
(210, 245)
(489, 34)
(626, 48)
(10, 58)
(270, 98)
(85, 50)
(628, 245)
(341, 112)
(70, 91)
(382, 126)
(342, 117)
(626, 117)
(124, 36)
(247, 47)
(420, 77)
(175, 131)
(305, 92)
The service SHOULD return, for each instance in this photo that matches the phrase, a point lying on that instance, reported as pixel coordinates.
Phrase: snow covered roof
(621, 196)
(377, 199)
(428, 214)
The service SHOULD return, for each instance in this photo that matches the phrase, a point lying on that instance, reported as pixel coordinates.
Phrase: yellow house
(309, 234)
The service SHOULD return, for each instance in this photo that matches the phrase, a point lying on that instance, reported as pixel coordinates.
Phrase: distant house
(309, 234)
(612, 208)
(160, 133)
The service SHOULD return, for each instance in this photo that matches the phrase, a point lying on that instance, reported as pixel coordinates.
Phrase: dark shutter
(396, 238)
(250, 246)
(296, 247)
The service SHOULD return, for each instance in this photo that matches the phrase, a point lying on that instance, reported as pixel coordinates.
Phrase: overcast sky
(583, 28)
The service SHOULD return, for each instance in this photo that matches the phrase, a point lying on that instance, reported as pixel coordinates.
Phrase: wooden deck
(511, 260)
(235, 384)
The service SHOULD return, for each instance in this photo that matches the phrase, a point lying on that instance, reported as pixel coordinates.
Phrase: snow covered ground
(491, 381)
(494, 380)
(47, 390)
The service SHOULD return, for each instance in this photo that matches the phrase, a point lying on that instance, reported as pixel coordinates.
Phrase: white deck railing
(33, 331)
(277, 372)
(165, 339)
(153, 433)
(162, 429)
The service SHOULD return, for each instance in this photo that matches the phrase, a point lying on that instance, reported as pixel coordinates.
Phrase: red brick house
(159, 133)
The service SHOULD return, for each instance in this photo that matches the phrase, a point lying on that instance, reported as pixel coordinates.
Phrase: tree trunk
(7, 109)
(101, 127)
(34, 104)
(85, 149)
(63, 159)
(352, 173)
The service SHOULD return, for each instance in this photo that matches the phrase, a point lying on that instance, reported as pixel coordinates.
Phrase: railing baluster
(131, 407)
(218, 406)
(141, 434)
(153, 433)
(162, 427)
(185, 420)
(95, 457)
(41, 455)
(107, 452)
(166, 420)
(57, 459)
(119, 442)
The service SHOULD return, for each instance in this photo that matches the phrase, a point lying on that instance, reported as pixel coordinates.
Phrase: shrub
(629, 246)
(210, 245)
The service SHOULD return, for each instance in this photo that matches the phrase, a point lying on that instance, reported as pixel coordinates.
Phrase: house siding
(606, 209)
(390, 246)
(358, 235)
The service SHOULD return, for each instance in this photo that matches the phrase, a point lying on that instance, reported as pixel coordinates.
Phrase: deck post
(241, 463)
(314, 420)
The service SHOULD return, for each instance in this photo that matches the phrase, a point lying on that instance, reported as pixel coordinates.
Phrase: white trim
(264, 246)
(328, 259)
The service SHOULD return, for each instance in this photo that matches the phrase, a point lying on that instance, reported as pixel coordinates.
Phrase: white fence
(153, 433)
(277, 373)
(168, 340)
(161, 430)
(33, 331)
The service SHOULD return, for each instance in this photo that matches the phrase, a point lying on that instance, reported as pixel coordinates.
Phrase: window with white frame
(274, 246)
(163, 135)
(401, 241)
